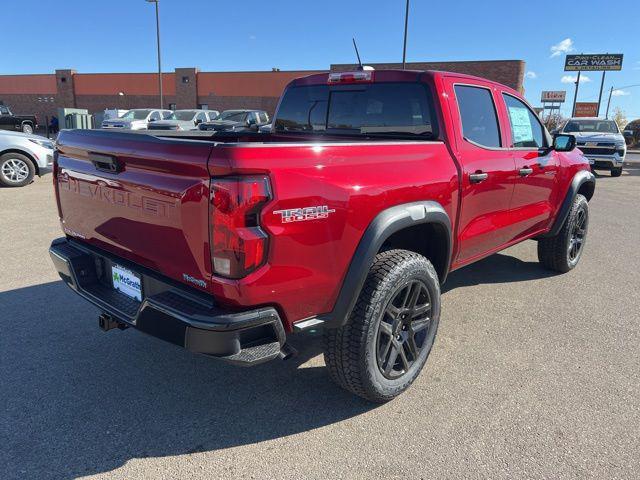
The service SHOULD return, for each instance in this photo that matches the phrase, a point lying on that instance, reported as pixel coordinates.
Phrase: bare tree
(620, 118)
(553, 121)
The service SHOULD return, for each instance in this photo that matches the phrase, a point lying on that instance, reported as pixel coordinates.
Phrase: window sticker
(520, 125)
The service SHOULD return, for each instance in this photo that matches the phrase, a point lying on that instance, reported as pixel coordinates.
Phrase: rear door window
(388, 109)
(526, 130)
(478, 115)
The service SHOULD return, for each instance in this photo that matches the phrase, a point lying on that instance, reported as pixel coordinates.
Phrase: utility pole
(575, 95)
(609, 102)
(404, 47)
(158, 44)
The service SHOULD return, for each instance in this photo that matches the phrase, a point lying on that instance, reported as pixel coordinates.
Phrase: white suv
(137, 119)
(22, 156)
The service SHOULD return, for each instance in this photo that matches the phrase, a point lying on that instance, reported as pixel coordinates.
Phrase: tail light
(238, 244)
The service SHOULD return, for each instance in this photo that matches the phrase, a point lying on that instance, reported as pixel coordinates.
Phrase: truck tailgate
(143, 198)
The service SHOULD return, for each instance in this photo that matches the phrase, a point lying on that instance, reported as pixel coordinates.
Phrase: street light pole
(158, 43)
(404, 46)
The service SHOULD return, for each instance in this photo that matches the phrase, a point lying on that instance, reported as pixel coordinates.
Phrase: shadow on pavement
(77, 401)
(498, 268)
(632, 169)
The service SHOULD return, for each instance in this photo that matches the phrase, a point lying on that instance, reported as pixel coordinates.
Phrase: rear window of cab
(393, 110)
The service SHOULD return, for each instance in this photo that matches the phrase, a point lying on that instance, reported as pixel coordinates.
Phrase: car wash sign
(593, 62)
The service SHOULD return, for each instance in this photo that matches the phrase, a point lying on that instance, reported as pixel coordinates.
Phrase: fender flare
(579, 179)
(385, 224)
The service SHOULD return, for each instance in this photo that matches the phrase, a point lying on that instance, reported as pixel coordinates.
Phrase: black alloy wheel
(403, 329)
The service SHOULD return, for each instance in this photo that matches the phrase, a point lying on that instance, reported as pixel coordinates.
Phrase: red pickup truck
(371, 187)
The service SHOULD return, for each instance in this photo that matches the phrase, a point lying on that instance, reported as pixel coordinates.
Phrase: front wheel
(16, 170)
(616, 172)
(563, 251)
(27, 128)
(385, 343)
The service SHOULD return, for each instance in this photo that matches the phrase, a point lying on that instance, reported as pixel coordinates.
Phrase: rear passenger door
(536, 184)
(488, 170)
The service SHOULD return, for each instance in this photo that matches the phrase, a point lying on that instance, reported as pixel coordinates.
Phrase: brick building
(42, 94)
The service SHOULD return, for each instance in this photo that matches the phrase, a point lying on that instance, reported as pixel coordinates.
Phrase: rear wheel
(387, 339)
(16, 170)
(616, 172)
(27, 128)
(562, 252)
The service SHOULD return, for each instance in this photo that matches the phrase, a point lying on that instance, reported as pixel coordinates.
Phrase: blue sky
(119, 36)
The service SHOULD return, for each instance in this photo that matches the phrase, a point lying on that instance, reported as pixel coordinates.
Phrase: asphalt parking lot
(532, 375)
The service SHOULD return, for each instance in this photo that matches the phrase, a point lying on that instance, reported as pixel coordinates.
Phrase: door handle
(526, 171)
(478, 177)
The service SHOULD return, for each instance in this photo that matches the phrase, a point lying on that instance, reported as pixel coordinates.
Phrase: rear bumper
(170, 311)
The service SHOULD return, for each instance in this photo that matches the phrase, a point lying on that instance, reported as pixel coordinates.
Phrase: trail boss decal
(305, 213)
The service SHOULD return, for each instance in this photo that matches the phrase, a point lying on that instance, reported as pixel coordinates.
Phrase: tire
(16, 170)
(385, 343)
(27, 128)
(562, 252)
(616, 172)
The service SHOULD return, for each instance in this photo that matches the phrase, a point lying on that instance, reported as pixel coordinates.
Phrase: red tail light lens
(238, 244)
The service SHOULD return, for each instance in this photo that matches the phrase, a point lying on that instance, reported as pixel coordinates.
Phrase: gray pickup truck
(600, 141)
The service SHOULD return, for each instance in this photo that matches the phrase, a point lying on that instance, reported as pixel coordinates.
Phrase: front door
(488, 172)
(536, 184)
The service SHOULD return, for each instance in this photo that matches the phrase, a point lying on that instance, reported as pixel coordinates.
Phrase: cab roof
(402, 76)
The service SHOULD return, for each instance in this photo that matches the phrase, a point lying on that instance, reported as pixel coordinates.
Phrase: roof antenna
(360, 67)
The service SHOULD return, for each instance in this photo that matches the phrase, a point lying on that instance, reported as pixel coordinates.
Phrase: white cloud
(531, 75)
(620, 93)
(565, 46)
(573, 78)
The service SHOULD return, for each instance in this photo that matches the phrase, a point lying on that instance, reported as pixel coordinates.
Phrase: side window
(201, 116)
(478, 114)
(526, 130)
(154, 116)
(166, 114)
(4, 111)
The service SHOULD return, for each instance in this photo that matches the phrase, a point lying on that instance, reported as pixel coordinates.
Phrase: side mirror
(563, 142)
(197, 121)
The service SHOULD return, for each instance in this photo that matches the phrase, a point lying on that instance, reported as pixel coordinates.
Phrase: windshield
(379, 109)
(233, 116)
(591, 126)
(183, 115)
(136, 114)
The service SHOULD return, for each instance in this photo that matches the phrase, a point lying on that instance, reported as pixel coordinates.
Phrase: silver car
(137, 119)
(600, 141)
(184, 120)
(22, 156)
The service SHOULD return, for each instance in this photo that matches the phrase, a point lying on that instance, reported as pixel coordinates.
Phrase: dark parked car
(237, 121)
(17, 123)
(632, 133)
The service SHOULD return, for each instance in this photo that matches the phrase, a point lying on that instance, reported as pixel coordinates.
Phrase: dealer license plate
(127, 282)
